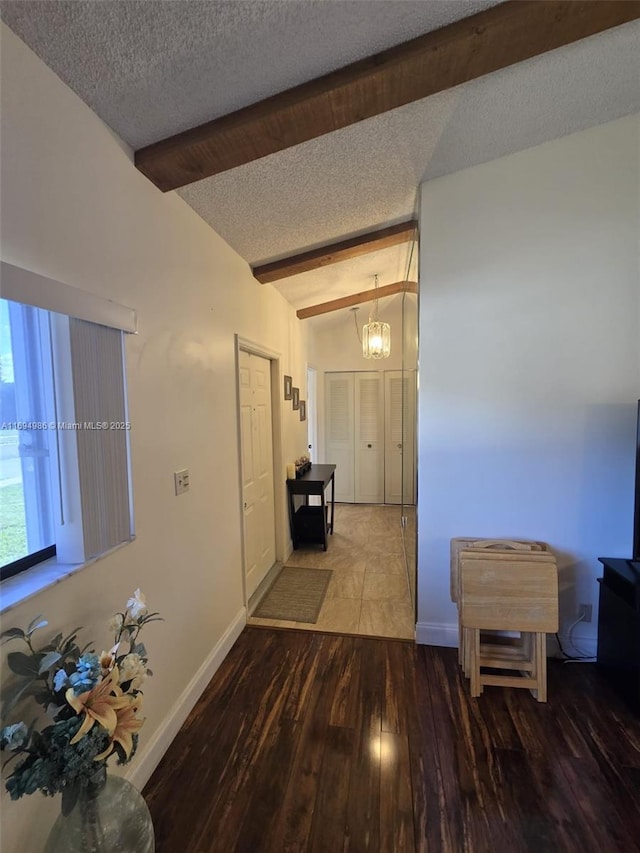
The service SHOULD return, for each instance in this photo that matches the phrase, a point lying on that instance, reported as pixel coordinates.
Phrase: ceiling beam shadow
(333, 253)
(358, 298)
(496, 38)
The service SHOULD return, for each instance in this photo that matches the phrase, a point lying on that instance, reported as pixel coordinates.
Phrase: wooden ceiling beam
(357, 299)
(333, 253)
(472, 47)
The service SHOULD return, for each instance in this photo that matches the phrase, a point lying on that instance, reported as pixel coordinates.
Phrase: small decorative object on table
(94, 701)
(302, 465)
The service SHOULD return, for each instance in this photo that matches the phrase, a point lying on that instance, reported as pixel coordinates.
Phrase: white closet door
(393, 437)
(339, 432)
(369, 438)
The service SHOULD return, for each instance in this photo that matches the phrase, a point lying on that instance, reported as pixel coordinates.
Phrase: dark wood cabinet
(619, 627)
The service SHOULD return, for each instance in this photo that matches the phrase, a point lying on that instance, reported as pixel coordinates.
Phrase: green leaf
(22, 664)
(42, 698)
(68, 641)
(11, 634)
(14, 693)
(48, 661)
(38, 622)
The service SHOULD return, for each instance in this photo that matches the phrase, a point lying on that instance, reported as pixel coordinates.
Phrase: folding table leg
(541, 649)
(473, 641)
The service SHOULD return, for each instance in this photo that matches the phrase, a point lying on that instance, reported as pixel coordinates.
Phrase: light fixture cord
(374, 315)
(355, 320)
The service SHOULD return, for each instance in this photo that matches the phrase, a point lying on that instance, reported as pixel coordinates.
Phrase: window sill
(35, 580)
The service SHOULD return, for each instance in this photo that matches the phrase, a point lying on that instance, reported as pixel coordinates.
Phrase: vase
(110, 817)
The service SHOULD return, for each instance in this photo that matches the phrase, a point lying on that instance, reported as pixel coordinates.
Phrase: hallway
(369, 591)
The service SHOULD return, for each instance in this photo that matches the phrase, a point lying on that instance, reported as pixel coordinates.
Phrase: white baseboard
(437, 634)
(148, 759)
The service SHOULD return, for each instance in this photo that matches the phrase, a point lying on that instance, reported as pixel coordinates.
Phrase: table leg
(333, 501)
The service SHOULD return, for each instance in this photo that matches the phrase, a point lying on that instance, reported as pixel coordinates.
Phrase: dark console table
(312, 523)
(619, 627)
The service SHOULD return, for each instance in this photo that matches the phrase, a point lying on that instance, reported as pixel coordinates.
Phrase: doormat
(296, 595)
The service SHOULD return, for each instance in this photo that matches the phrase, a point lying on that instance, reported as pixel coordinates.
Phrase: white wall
(74, 208)
(529, 365)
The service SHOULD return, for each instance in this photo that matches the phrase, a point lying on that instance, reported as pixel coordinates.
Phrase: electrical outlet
(585, 612)
(181, 481)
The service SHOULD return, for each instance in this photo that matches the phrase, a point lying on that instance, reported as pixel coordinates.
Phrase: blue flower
(12, 737)
(87, 674)
(60, 680)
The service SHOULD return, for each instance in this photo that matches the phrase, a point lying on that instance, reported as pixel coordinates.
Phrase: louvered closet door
(369, 438)
(339, 432)
(393, 437)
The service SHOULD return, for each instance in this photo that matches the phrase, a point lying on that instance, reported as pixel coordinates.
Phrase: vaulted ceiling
(156, 68)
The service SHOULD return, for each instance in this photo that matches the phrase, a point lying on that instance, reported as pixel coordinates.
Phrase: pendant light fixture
(376, 336)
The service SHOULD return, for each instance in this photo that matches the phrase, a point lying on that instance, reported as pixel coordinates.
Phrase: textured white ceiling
(367, 174)
(153, 68)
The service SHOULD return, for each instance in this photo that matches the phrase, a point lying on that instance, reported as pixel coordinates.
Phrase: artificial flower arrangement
(94, 702)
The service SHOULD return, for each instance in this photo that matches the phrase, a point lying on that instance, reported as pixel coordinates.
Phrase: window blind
(102, 440)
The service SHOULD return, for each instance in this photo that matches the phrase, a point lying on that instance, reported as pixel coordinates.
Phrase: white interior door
(369, 438)
(257, 468)
(339, 432)
(393, 450)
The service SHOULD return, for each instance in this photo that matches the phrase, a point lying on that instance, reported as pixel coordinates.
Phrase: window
(64, 433)
(26, 528)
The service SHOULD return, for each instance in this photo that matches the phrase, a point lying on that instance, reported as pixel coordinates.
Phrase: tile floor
(369, 591)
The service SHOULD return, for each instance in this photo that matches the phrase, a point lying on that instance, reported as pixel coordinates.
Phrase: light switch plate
(181, 481)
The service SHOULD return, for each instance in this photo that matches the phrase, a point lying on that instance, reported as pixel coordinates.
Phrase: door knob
(400, 447)
(369, 445)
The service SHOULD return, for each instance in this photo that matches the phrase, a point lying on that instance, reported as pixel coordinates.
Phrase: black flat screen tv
(636, 514)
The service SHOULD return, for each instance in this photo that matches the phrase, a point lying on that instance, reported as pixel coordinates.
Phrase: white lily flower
(137, 604)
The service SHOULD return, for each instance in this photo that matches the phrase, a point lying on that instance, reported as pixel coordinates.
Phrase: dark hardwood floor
(323, 743)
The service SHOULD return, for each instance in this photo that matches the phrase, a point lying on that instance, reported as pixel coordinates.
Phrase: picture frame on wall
(288, 385)
(295, 398)
(303, 410)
